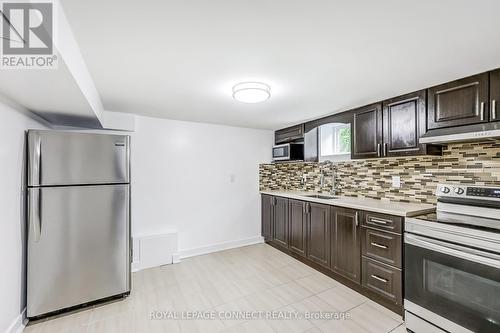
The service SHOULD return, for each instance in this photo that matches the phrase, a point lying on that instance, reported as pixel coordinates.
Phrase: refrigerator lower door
(78, 246)
(67, 158)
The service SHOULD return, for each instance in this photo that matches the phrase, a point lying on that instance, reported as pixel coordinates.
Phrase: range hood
(487, 131)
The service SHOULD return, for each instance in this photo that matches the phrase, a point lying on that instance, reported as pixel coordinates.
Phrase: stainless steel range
(452, 263)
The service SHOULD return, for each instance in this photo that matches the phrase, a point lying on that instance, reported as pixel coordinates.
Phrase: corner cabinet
(460, 102)
(267, 212)
(345, 244)
(280, 221)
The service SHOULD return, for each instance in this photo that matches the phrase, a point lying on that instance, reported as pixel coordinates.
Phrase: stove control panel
(471, 192)
(486, 192)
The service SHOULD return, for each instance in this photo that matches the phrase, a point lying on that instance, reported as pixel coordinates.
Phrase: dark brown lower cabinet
(318, 234)
(383, 246)
(363, 250)
(383, 280)
(267, 217)
(298, 226)
(345, 244)
(280, 218)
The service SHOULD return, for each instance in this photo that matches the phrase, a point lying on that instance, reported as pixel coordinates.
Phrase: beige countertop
(373, 205)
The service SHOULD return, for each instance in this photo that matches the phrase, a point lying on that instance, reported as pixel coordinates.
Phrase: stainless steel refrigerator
(78, 219)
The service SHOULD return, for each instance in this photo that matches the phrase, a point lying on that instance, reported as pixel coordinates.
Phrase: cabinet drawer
(382, 279)
(382, 246)
(382, 221)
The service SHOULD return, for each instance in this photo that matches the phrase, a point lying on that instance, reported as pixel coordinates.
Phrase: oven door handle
(470, 254)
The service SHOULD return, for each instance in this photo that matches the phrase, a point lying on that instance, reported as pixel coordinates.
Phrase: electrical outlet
(396, 181)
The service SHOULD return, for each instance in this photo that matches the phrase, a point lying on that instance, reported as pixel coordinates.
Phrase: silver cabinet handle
(482, 111)
(357, 219)
(378, 150)
(385, 149)
(379, 278)
(379, 221)
(379, 245)
(35, 217)
(494, 109)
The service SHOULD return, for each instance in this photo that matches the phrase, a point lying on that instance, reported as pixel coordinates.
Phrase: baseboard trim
(183, 254)
(18, 324)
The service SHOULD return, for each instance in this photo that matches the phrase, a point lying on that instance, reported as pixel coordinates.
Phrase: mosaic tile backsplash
(462, 163)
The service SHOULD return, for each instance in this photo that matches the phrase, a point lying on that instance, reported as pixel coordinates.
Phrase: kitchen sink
(320, 196)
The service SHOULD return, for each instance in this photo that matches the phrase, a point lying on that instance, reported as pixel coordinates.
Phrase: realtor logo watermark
(28, 35)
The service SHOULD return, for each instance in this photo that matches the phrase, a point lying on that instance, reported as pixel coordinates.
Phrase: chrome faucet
(335, 187)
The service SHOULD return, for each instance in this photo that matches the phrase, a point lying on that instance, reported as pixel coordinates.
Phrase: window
(335, 142)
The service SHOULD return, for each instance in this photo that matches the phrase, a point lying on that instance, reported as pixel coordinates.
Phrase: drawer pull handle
(379, 245)
(379, 278)
(379, 221)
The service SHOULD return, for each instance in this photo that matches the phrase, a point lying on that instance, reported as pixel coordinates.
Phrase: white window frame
(336, 157)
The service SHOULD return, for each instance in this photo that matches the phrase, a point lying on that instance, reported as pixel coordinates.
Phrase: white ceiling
(53, 94)
(179, 59)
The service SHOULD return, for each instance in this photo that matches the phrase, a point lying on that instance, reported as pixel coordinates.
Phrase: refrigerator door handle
(35, 161)
(35, 215)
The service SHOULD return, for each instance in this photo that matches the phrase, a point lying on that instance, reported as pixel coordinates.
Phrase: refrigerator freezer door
(78, 246)
(66, 158)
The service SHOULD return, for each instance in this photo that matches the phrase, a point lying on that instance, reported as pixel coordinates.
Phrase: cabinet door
(280, 233)
(318, 234)
(495, 95)
(404, 123)
(461, 102)
(367, 127)
(267, 216)
(346, 251)
(289, 134)
(298, 226)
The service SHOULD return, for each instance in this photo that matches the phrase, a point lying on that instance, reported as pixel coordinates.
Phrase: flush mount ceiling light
(251, 92)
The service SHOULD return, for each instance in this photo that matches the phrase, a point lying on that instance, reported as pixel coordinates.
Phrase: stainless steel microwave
(288, 152)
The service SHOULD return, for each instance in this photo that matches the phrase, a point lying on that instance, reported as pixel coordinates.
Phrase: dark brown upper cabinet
(367, 131)
(460, 102)
(311, 145)
(280, 227)
(289, 134)
(346, 245)
(267, 217)
(318, 234)
(298, 212)
(405, 120)
(495, 95)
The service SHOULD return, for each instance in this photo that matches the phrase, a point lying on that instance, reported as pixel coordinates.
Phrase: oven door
(281, 152)
(459, 284)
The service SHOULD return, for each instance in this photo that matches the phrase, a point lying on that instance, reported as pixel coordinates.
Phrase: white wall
(200, 179)
(13, 124)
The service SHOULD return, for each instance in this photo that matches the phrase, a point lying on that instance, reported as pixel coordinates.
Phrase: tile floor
(252, 278)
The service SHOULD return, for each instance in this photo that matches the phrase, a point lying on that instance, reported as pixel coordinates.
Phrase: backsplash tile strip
(461, 163)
